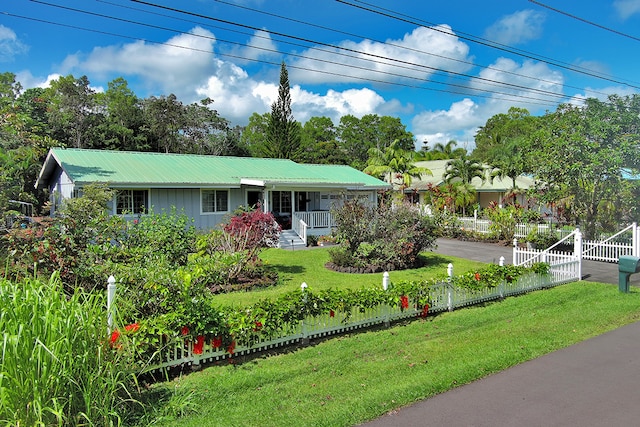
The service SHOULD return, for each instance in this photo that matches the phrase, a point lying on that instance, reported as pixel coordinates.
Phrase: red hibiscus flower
(404, 302)
(184, 330)
(114, 337)
(477, 276)
(425, 310)
(331, 313)
(216, 342)
(197, 346)
(132, 327)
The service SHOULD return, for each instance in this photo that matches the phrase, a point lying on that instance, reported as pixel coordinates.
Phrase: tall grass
(57, 367)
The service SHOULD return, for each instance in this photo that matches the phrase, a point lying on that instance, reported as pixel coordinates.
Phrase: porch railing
(316, 219)
(299, 226)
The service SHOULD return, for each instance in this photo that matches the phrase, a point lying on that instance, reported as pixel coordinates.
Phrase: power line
(620, 33)
(511, 97)
(488, 67)
(377, 57)
(404, 64)
(403, 18)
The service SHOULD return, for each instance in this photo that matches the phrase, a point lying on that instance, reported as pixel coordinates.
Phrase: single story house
(208, 188)
(487, 191)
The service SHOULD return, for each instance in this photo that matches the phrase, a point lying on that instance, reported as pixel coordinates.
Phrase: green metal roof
(119, 168)
(439, 167)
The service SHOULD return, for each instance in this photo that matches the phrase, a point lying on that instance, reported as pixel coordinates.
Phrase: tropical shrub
(387, 237)
(503, 220)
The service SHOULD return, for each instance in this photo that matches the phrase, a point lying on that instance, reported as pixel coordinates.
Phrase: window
(215, 201)
(132, 201)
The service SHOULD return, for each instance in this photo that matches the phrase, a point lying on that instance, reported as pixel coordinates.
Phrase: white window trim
(216, 212)
(129, 214)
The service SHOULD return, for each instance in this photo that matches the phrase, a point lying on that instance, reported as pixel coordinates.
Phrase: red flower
(184, 330)
(132, 327)
(404, 302)
(258, 326)
(197, 346)
(114, 337)
(232, 347)
(477, 276)
(216, 342)
(425, 311)
(331, 313)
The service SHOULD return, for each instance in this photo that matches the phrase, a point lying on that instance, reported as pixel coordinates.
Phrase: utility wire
(377, 57)
(405, 64)
(510, 97)
(409, 20)
(488, 67)
(602, 27)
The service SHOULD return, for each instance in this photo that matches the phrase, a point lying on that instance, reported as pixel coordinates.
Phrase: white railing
(443, 297)
(317, 219)
(300, 227)
(565, 266)
(483, 226)
(612, 248)
(475, 224)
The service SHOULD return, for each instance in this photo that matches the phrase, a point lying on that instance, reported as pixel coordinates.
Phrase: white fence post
(516, 261)
(385, 286)
(111, 294)
(450, 287)
(577, 250)
(635, 251)
(305, 340)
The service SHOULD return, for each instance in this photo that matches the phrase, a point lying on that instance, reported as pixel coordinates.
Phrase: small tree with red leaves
(251, 232)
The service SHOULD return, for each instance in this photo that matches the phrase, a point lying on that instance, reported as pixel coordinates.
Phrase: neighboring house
(486, 191)
(208, 188)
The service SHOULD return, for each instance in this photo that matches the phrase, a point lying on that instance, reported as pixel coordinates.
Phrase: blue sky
(443, 67)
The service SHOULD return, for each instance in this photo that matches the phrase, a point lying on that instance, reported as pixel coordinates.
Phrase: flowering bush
(386, 237)
(225, 328)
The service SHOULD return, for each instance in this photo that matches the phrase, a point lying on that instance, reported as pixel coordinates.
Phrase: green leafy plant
(380, 238)
(57, 367)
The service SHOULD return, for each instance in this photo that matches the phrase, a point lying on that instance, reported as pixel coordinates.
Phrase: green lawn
(295, 267)
(345, 380)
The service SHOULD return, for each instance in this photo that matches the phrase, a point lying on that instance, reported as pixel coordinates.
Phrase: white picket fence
(483, 226)
(605, 249)
(624, 242)
(443, 296)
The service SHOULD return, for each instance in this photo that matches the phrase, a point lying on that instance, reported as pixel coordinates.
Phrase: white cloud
(527, 81)
(10, 45)
(178, 67)
(626, 8)
(519, 27)
(461, 121)
(444, 125)
(415, 55)
(260, 45)
(601, 93)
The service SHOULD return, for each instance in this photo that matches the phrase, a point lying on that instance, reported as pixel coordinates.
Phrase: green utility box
(627, 265)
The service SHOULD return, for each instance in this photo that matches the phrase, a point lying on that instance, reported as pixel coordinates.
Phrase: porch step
(290, 240)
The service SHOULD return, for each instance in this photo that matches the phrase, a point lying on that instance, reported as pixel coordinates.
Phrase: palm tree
(447, 151)
(395, 164)
(459, 195)
(465, 169)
